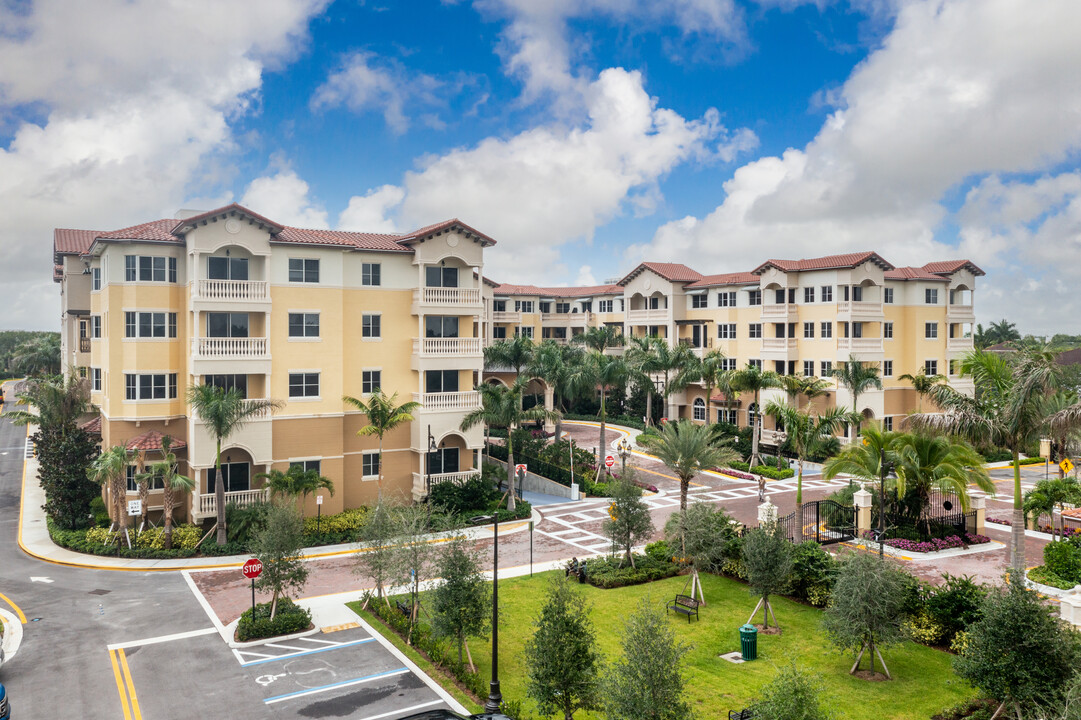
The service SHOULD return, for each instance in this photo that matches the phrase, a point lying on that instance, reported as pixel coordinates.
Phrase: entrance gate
(823, 521)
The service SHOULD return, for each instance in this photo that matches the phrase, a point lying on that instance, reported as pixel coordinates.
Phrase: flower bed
(953, 541)
(734, 473)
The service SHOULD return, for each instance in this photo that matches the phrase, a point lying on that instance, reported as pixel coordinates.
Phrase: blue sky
(584, 135)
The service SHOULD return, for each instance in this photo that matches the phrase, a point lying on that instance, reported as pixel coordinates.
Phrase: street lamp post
(495, 697)
(624, 450)
(428, 471)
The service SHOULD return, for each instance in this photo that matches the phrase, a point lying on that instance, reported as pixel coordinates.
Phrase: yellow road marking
(18, 611)
(336, 628)
(136, 714)
(120, 685)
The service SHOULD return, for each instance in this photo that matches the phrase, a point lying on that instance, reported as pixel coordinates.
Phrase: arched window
(699, 409)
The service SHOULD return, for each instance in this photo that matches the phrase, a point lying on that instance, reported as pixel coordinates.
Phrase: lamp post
(495, 697)
(624, 450)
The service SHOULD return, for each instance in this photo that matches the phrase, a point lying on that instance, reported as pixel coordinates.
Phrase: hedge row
(290, 618)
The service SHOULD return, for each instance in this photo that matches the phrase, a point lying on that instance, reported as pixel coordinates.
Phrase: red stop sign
(609, 461)
(252, 568)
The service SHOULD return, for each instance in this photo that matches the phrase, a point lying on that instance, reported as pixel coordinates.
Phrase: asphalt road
(84, 653)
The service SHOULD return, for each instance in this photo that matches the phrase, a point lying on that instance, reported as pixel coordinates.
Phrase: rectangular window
(371, 326)
(887, 295)
(887, 423)
(226, 268)
(827, 293)
(827, 368)
(237, 477)
(303, 325)
(779, 296)
(304, 270)
(726, 331)
(844, 329)
(930, 296)
(791, 296)
(754, 330)
(845, 289)
(499, 333)
(441, 326)
(726, 299)
(499, 306)
(604, 306)
(306, 465)
(151, 268)
(228, 382)
(808, 330)
(370, 381)
(303, 385)
(440, 381)
(524, 331)
(755, 364)
(728, 364)
(887, 330)
(699, 301)
(149, 325)
(95, 326)
(370, 274)
(159, 386)
(525, 306)
(930, 331)
(370, 462)
(444, 461)
(887, 368)
(754, 297)
(545, 307)
(563, 308)
(930, 367)
(808, 294)
(95, 379)
(153, 483)
(809, 368)
(827, 330)
(95, 279)
(953, 367)
(219, 325)
(130, 268)
(437, 276)
(857, 293)
(857, 329)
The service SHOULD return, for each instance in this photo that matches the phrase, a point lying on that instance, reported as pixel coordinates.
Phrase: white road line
(162, 638)
(301, 653)
(335, 686)
(408, 709)
(285, 647)
(205, 605)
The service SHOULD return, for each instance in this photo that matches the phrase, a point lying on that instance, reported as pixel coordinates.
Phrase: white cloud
(551, 185)
(136, 100)
(585, 276)
(370, 212)
(959, 89)
(284, 197)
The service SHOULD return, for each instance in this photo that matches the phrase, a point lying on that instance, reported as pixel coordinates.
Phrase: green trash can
(748, 642)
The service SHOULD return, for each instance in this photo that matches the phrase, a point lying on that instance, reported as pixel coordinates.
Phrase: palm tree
(60, 402)
(38, 356)
(1006, 411)
(708, 370)
(601, 373)
(502, 406)
(863, 460)
(687, 449)
(642, 362)
(922, 383)
(171, 482)
(224, 412)
(600, 338)
(110, 469)
(754, 380)
(516, 354)
(553, 364)
(384, 414)
(809, 434)
(926, 462)
(858, 378)
(1063, 436)
(1048, 495)
(796, 385)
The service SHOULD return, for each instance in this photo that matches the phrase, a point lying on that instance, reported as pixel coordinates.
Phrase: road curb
(13, 634)
(230, 630)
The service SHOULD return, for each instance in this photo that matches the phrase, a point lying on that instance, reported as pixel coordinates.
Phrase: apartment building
(234, 299)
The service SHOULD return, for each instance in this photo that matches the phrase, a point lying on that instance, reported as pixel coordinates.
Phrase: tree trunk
(756, 431)
(219, 499)
(1018, 529)
(469, 655)
(649, 408)
(510, 470)
(379, 476)
(167, 511)
(601, 470)
(273, 606)
(460, 642)
(684, 485)
(765, 612)
(799, 482)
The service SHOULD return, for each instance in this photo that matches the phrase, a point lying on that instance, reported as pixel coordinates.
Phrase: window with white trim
(370, 381)
(523, 331)
(887, 368)
(499, 333)
(303, 325)
(95, 327)
(155, 482)
(699, 301)
(808, 368)
(887, 330)
(827, 293)
(754, 297)
(726, 331)
(95, 379)
(930, 296)
(827, 368)
(371, 274)
(808, 294)
(754, 330)
(605, 306)
(371, 326)
(304, 270)
(370, 464)
(306, 465)
(726, 416)
(827, 330)
(303, 384)
(228, 382)
(887, 296)
(440, 276)
(149, 324)
(930, 331)
(930, 367)
(226, 268)
(525, 306)
(149, 268)
(726, 299)
(150, 386)
(755, 363)
(809, 330)
(699, 409)
(728, 364)
(887, 423)
(95, 279)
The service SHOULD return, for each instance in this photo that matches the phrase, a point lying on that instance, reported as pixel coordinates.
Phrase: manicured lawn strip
(437, 674)
(924, 681)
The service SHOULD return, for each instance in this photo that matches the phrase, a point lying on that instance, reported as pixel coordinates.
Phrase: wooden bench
(744, 714)
(684, 604)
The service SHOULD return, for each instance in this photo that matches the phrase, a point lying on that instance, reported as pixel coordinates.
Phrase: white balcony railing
(775, 310)
(447, 347)
(421, 480)
(449, 296)
(506, 316)
(206, 504)
(243, 290)
(859, 309)
(229, 348)
(860, 344)
(579, 319)
(778, 344)
(960, 313)
(645, 317)
(448, 401)
(959, 343)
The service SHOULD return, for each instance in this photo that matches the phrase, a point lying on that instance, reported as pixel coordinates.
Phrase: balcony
(256, 436)
(859, 345)
(448, 354)
(565, 319)
(213, 355)
(420, 481)
(959, 344)
(506, 316)
(232, 290)
(776, 311)
(84, 345)
(447, 300)
(778, 345)
(647, 317)
(204, 505)
(448, 401)
(960, 314)
(848, 310)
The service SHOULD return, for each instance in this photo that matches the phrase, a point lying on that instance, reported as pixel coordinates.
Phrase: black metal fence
(823, 521)
(941, 516)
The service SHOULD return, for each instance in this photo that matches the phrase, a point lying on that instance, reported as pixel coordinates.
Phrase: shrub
(184, 537)
(740, 465)
(955, 604)
(474, 494)
(813, 573)
(773, 473)
(330, 529)
(290, 618)
(1043, 576)
(608, 573)
(101, 515)
(924, 629)
(1064, 560)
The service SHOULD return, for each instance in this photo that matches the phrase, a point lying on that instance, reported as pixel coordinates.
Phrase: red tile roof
(92, 426)
(672, 272)
(181, 227)
(453, 224)
(359, 240)
(737, 278)
(151, 440)
(949, 267)
(913, 273)
(156, 230)
(828, 262)
(568, 292)
(73, 242)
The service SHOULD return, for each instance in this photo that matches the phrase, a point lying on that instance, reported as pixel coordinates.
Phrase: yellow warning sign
(1066, 465)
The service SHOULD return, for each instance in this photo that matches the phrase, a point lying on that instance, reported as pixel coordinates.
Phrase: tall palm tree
(688, 449)
(809, 386)
(858, 377)
(863, 460)
(808, 434)
(754, 380)
(707, 370)
(553, 364)
(515, 354)
(38, 356)
(224, 412)
(642, 362)
(1005, 411)
(171, 483)
(502, 406)
(922, 384)
(926, 462)
(601, 373)
(384, 414)
(60, 402)
(110, 469)
(671, 361)
(601, 338)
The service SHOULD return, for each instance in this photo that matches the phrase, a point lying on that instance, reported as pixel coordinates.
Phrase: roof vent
(184, 213)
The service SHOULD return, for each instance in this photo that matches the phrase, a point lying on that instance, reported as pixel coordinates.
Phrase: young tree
(110, 469)
(709, 370)
(866, 608)
(700, 533)
(562, 656)
(377, 538)
(647, 683)
(462, 602)
(1018, 652)
(809, 434)
(922, 384)
(767, 555)
(278, 546)
(687, 449)
(754, 380)
(413, 553)
(296, 483)
(1049, 495)
(791, 695)
(629, 520)
(384, 414)
(171, 483)
(858, 377)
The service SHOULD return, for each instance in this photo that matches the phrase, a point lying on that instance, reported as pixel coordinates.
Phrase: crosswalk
(30, 451)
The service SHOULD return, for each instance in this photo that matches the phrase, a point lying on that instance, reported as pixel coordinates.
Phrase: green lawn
(923, 684)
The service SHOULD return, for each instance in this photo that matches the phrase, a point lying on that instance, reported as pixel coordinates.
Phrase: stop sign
(252, 568)
(609, 461)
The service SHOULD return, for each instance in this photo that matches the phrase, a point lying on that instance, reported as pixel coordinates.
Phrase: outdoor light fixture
(495, 697)
(86, 267)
